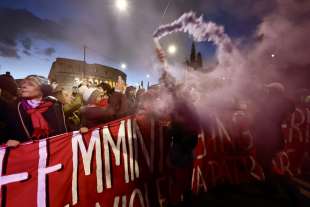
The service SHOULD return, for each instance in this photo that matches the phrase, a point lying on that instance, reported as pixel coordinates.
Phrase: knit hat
(41, 81)
(87, 94)
(8, 83)
(82, 89)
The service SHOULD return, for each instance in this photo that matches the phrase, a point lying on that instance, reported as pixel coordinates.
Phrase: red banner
(125, 163)
(115, 165)
(296, 130)
(226, 152)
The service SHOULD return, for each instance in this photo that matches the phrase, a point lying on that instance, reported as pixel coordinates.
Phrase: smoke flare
(198, 29)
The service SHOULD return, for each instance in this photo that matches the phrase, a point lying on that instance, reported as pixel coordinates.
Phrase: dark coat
(118, 104)
(131, 105)
(267, 129)
(21, 122)
(183, 131)
(93, 116)
(72, 114)
(4, 128)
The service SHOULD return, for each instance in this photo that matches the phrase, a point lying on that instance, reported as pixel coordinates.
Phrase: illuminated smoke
(280, 44)
(200, 30)
(227, 55)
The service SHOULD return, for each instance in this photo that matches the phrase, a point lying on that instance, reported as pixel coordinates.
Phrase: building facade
(69, 72)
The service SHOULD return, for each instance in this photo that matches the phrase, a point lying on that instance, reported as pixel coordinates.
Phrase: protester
(82, 87)
(269, 119)
(131, 99)
(71, 107)
(37, 115)
(95, 112)
(184, 123)
(8, 98)
(92, 113)
(274, 108)
(139, 96)
(75, 91)
(183, 132)
(118, 101)
(106, 93)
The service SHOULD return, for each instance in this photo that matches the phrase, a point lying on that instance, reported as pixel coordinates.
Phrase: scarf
(39, 123)
(103, 103)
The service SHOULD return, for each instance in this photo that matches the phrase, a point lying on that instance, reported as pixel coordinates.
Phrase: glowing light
(172, 49)
(121, 5)
(148, 76)
(273, 55)
(123, 66)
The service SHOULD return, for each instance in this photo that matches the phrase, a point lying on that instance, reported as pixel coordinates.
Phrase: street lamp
(121, 5)
(172, 49)
(123, 66)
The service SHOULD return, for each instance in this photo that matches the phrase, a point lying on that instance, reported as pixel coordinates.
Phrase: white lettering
(149, 157)
(252, 170)
(132, 198)
(42, 172)
(201, 137)
(295, 126)
(223, 133)
(130, 144)
(7, 179)
(77, 142)
(116, 148)
(202, 183)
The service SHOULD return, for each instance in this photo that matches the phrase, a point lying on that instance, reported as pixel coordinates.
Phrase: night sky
(35, 32)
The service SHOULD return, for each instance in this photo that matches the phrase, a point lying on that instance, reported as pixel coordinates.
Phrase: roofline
(81, 61)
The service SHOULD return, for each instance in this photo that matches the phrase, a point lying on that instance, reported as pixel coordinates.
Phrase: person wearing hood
(37, 115)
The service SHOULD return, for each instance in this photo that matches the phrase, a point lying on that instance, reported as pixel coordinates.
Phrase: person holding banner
(37, 115)
(71, 107)
(183, 130)
(92, 114)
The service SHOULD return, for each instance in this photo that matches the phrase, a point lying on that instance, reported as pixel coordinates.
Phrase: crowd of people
(36, 109)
